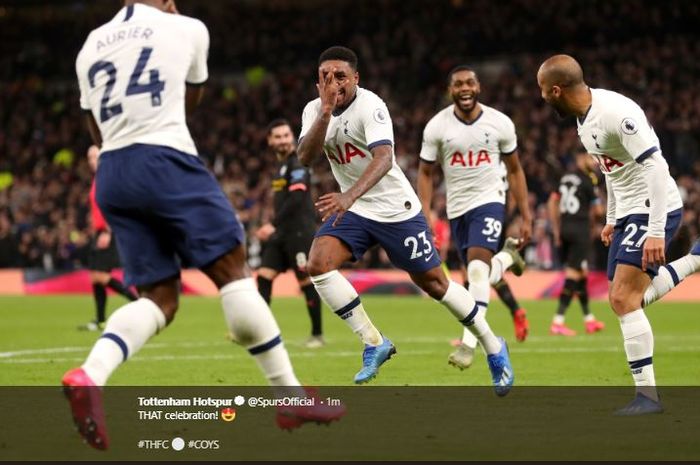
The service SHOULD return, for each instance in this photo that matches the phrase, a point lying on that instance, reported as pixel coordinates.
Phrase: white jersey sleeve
(508, 141)
(198, 72)
(431, 146)
(309, 116)
(377, 123)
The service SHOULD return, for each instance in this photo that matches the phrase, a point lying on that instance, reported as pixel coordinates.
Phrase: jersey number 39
(154, 86)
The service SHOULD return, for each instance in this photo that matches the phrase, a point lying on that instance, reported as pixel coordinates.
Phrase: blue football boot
(372, 358)
(501, 370)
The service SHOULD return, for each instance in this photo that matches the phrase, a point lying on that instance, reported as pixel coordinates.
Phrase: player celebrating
(288, 238)
(644, 205)
(165, 208)
(103, 256)
(570, 210)
(376, 205)
(468, 139)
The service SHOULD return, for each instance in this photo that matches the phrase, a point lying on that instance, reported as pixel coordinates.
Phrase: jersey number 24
(154, 86)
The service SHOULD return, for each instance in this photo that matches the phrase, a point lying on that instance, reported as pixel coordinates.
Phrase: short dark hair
(338, 52)
(275, 123)
(459, 68)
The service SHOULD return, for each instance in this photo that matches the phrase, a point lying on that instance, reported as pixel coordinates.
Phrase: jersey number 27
(154, 86)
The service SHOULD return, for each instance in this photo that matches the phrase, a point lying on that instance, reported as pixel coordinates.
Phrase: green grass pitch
(39, 342)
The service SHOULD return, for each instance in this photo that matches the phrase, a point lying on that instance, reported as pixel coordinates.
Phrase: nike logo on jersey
(628, 250)
(490, 239)
(429, 256)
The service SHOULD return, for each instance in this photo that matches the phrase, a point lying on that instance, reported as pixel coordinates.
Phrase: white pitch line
(294, 355)
(240, 355)
(53, 350)
(518, 348)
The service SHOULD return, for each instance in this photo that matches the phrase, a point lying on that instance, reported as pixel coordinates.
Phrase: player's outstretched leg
(672, 274)
(127, 330)
(254, 327)
(463, 306)
(325, 257)
(342, 298)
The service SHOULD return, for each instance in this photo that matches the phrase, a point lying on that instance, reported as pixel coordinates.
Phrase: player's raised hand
(327, 89)
(333, 203)
(653, 253)
(606, 234)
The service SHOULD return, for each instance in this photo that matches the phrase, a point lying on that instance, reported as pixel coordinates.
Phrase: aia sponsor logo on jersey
(343, 157)
(606, 163)
(470, 159)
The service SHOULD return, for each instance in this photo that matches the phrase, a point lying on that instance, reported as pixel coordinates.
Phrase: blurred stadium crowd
(263, 66)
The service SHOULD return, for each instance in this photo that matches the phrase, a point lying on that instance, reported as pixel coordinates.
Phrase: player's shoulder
(366, 96)
(614, 104)
(193, 24)
(370, 105)
(313, 106)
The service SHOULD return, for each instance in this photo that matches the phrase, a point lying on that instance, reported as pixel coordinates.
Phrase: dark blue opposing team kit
(628, 240)
(409, 243)
(166, 210)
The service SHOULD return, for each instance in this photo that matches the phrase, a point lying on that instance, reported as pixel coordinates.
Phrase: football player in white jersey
(643, 211)
(469, 139)
(138, 74)
(352, 127)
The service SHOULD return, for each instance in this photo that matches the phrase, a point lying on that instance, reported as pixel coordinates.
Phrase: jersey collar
(463, 121)
(339, 111)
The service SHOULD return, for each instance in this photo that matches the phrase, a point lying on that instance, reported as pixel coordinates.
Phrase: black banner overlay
(382, 423)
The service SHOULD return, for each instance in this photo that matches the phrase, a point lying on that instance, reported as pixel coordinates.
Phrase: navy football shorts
(628, 240)
(409, 244)
(166, 210)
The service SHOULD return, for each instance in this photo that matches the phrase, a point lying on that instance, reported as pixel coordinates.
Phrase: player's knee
(621, 301)
(317, 266)
(168, 304)
(435, 285)
(478, 271)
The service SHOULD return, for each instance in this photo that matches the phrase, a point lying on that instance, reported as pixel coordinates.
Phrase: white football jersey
(470, 156)
(132, 73)
(351, 135)
(616, 132)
